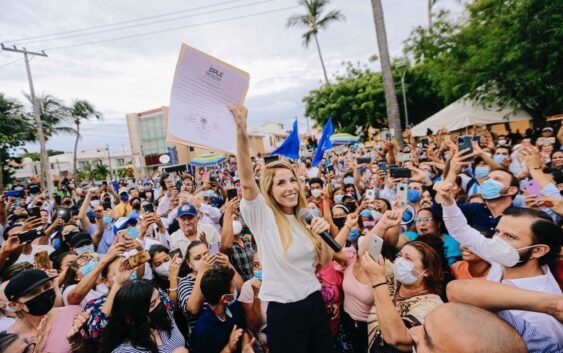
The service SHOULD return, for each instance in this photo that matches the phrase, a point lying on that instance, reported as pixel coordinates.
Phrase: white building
(62, 163)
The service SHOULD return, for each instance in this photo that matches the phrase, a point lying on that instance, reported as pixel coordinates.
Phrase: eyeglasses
(423, 219)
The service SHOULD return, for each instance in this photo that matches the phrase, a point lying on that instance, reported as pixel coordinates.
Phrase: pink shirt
(358, 297)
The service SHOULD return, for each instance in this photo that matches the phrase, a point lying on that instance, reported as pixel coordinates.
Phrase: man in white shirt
(190, 230)
(525, 243)
(312, 172)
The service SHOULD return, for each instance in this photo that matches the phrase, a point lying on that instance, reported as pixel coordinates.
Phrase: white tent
(465, 113)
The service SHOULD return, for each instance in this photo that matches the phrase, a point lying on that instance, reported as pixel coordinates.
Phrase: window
(120, 162)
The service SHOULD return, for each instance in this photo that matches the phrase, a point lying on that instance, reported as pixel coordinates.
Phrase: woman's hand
(318, 225)
(175, 264)
(240, 114)
(351, 220)
(114, 251)
(444, 190)
(207, 262)
(124, 272)
(223, 260)
(375, 270)
(79, 321)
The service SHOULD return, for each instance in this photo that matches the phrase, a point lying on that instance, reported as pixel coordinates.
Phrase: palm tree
(80, 111)
(101, 172)
(431, 4)
(313, 21)
(54, 116)
(393, 117)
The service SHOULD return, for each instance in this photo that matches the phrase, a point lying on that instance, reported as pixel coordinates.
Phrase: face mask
(162, 270)
(237, 227)
(41, 304)
(502, 252)
(490, 189)
(258, 275)
(95, 203)
(481, 172)
(234, 295)
(157, 314)
(339, 222)
(85, 270)
(132, 232)
(413, 195)
(316, 193)
(78, 224)
(499, 158)
(133, 276)
(136, 206)
(86, 248)
(502, 142)
(338, 198)
(402, 270)
(57, 243)
(196, 265)
(124, 198)
(354, 234)
(365, 213)
(427, 174)
(107, 220)
(348, 180)
(315, 212)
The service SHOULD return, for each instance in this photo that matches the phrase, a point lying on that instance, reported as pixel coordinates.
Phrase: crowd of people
(449, 244)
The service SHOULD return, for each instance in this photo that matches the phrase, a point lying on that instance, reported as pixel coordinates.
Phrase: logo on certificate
(214, 74)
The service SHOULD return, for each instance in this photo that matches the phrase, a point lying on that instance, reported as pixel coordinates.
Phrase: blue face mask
(315, 212)
(499, 158)
(481, 172)
(258, 275)
(348, 180)
(57, 243)
(132, 232)
(88, 268)
(338, 198)
(107, 220)
(133, 276)
(366, 213)
(354, 234)
(413, 195)
(490, 189)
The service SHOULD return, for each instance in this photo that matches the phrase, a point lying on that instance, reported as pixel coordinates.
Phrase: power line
(10, 63)
(172, 29)
(141, 24)
(123, 22)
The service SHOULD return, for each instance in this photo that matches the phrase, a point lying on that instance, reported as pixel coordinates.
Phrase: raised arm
(248, 184)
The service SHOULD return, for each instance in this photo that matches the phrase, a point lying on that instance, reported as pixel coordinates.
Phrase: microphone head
(306, 215)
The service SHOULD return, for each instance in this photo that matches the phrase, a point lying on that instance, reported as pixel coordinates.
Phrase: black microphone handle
(330, 241)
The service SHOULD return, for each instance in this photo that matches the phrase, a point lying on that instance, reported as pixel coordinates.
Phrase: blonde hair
(266, 184)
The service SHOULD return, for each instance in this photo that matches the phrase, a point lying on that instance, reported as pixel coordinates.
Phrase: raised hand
(444, 190)
(240, 113)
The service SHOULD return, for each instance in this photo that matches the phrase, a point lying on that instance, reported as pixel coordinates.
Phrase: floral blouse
(97, 320)
(418, 306)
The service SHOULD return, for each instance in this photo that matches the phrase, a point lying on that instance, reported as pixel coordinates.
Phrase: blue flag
(290, 147)
(324, 143)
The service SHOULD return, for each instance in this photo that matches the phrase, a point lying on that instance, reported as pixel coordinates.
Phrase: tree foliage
(506, 52)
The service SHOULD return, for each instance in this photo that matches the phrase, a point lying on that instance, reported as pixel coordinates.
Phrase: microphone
(306, 215)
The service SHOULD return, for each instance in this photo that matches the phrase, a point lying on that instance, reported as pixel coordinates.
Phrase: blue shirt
(107, 240)
(211, 335)
(451, 246)
(535, 340)
(478, 215)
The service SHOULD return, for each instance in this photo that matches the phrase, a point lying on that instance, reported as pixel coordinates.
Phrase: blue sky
(135, 74)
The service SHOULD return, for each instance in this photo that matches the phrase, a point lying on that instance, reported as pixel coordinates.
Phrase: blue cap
(187, 210)
(122, 223)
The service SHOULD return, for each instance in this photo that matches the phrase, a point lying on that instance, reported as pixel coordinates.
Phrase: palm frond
(334, 15)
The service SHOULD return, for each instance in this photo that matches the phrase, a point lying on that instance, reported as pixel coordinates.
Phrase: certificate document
(202, 88)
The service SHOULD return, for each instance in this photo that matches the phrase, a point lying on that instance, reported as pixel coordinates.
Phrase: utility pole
(109, 160)
(46, 178)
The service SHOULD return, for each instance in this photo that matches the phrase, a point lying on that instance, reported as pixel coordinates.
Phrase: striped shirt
(185, 287)
(535, 340)
(169, 344)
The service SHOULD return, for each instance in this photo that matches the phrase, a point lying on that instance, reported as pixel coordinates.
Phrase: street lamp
(403, 65)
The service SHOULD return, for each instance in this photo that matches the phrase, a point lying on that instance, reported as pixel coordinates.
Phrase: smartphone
(477, 139)
(42, 261)
(370, 194)
(447, 138)
(271, 159)
(404, 157)
(214, 248)
(330, 169)
(106, 205)
(383, 167)
(364, 160)
(149, 207)
(176, 252)
(533, 189)
(375, 247)
(30, 235)
(400, 172)
(526, 142)
(402, 194)
(121, 236)
(232, 194)
(35, 212)
(425, 141)
(464, 142)
(64, 214)
(13, 193)
(57, 199)
(138, 259)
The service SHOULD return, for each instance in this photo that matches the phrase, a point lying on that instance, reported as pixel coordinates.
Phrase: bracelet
(173, 289)
(379, 284)
(347, 226)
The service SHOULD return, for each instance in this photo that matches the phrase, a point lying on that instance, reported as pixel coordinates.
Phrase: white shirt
(457, 226)
(94, 293)
(287, 277)
(34, 250)
(313, 172)
(179, 241)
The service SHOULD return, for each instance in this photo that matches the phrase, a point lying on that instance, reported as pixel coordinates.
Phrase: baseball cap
(80, 239)
(24, 282)
(123, 222)
(187, 210)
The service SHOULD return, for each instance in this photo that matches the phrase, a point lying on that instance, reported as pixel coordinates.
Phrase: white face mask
(237, 227)
(316, 193)
(196, 265)
(402, 270)
(500, 251)
(95, 203)
(86, 248)
(163, 269)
